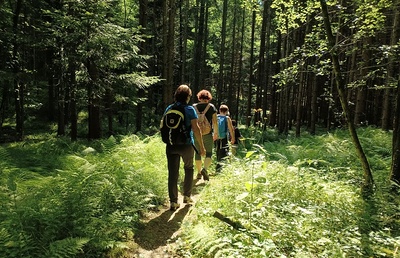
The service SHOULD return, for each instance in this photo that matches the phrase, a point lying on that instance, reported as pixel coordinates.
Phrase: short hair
(223, 108)
(204, 94)
(182, 93)
(233, 122)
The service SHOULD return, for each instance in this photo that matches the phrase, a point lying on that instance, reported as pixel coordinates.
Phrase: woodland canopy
(106, 67)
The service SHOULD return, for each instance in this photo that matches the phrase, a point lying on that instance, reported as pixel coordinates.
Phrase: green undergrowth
(298, 197)
(77, 199)
(283, 197)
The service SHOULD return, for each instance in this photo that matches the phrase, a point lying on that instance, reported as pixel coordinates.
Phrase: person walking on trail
(208, 123)
(179, 124)
(225, 128)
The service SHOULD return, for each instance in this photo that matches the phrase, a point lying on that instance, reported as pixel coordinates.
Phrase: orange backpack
(204, 124)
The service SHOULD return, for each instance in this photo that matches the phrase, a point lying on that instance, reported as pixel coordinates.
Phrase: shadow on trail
(159, 230)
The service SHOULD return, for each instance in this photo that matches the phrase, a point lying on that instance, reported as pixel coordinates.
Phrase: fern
(215, 246)
(4, 154)
(109, 144)
(14, 244)
(66, 248)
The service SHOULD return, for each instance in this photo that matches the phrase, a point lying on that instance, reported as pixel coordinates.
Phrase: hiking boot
(205, 175)
(174, 206)
(199, 176)
(187, 199)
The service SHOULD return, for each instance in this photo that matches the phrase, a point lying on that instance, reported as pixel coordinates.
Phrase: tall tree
(251, 69)
(368, 179)
(262, 73)
(183, 39)
(221, 71)
(234, 62)
(143, 10)
(198, 48)
(169, 12)
(16, 62)
(395, 168)
(268, 64)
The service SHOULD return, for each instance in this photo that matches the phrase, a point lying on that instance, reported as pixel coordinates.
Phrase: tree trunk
(221, 75)
(261, 59)
(361, 97)
(387, 100)
(198, 62)
(73, 89)
(143, 9)
(168, 49)
(282, 92)
(284, 101)
(368, 179)
(5, 98)
(299, 102)
(274, 95)
(184, 21)
(93, 102)
(314, 106)
(18, 87)
(109, 111)
(251, 72)
(240, 86)
(233, 74)
(53, 71)
(61, 107)
(267, 61)
(204, 52)
(395, 169)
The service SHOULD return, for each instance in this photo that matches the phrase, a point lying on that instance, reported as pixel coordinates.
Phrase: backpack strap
(206, 109)
(195, 107)
(179, 105)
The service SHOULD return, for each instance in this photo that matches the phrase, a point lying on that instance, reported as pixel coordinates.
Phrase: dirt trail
(161, 230)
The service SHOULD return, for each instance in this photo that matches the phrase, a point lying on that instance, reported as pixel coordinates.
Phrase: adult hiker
(178, 126)
(208, 123)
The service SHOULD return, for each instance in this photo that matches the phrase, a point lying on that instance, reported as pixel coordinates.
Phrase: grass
(299, 197)
(293, 197)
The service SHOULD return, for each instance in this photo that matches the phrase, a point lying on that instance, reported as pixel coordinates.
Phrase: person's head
(183, 94)
(223, 109)
(234, 122)
(204, 95)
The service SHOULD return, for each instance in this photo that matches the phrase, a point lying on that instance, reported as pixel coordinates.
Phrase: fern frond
(3, 153)
(216, 248)
(66, 248)
(109, 144)
(4, 236)
(15, 244)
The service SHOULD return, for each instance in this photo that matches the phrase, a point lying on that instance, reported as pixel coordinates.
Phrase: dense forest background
(98, 68)
(83, 85)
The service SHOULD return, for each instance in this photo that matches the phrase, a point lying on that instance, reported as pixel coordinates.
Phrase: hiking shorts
(208, 145)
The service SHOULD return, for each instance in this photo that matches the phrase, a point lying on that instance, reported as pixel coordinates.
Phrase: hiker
(181, 146)
(225, 127)
(208, 123)
(237, 135)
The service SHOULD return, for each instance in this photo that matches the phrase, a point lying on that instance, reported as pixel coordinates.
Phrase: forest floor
(160, 231)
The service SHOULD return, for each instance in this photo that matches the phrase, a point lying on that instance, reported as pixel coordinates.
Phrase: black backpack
(173, 128)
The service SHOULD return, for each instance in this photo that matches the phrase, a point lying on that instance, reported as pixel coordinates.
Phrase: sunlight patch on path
(161, 230)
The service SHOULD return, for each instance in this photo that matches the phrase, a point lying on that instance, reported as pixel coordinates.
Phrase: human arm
(231, 129)
(215, 126)
(197, 136)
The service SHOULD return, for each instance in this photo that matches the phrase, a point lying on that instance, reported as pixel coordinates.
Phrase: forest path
(161, 230)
